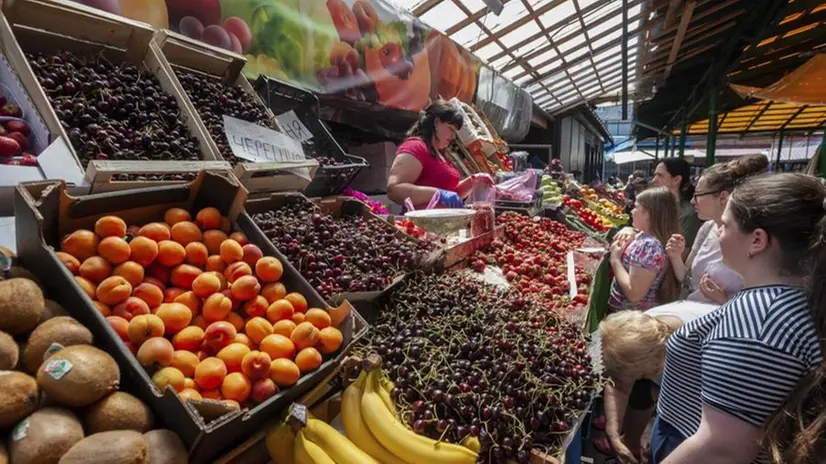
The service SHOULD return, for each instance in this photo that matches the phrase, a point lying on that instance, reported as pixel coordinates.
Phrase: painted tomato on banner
(367, 50)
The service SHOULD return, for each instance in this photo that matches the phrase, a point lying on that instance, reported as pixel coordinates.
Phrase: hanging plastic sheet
(805, 85)
(508, 107)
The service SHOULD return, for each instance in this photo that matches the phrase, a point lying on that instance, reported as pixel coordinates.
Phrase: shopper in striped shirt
(729, 372)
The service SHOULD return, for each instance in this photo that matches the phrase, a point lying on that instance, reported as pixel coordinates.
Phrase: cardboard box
(45, 213)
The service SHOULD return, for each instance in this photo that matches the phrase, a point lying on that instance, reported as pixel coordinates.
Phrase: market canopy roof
(563, 52)
(764, 116)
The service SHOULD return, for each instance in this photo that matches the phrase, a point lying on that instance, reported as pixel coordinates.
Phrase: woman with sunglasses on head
(420, 169)
(675, 175)
(728, 373)
(703, 273)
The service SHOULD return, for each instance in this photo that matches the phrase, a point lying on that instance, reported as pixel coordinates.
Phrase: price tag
(260, 144)
(293, 126)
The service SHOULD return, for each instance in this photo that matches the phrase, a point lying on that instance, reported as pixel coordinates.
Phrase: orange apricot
(231, 251)
(114, 249)
(232, 355)
(103, 309)
(329, 340)
(200, 322)
(284, 372)
(191, 301)
(71, 263)
(159, 272)
(304, 335)
(157, 231)
(317, 317)
(113, 290)
(256, 365)
(131, 307)
(196, 254)
(190, 394)
(236, 320)
(110, 226)
(268, 269)
(186, 232)
(210, 373)
(154, 281)
(256, 307)
(237, 270)
(143, 250)
(273, 291)
(239, 237)
(206, 284)
(189, 338)
(81, 244)
(208, 218)
(155, 352)
(131, 271)
(245, 288)
(257, 328)
(169, 377)
(185, 361)
(143, 327)
(251, 254)
(149, 293)
(183, 275)
(216, 307)
(242, 338)
(172, 293)
(96, 269)
(171, 253)
(173, 216)
(278, 346)
(226, 225)
(308, 359)
(211, 394)
(262, 389)
(215, 263)
(298, 301)
(188, 382)
(236, 387)
(120, 326)
(278, 310)
(132, 231)
(176, 316)
(298, 318)
(218, 335)
(213, 239)
(284, 327)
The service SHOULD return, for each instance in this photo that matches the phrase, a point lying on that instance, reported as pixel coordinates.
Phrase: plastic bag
(519, 160)
(408, 203)
(481, 200)
(520, 188)
(600, 291)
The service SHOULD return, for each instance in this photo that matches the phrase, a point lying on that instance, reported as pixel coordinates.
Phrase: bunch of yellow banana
(370, 420)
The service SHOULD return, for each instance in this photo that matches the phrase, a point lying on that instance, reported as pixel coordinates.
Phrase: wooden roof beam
(470, 20)
(587, 38)
(424, 7)
(516, 24)
(685, 18)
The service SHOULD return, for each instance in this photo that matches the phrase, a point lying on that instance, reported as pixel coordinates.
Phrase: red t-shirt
(435, 171)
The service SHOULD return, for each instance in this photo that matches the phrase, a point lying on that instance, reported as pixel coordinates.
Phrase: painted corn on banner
(366, 49)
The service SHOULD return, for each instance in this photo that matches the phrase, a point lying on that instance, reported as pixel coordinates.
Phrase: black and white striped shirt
(743, 359)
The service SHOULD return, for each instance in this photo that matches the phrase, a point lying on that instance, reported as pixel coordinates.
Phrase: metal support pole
(779, 151)
(683, 131)
(624, 52)
(821, 156)
(657, 149)
(711, 141)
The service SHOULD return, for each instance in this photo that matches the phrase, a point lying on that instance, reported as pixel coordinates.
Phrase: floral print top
(645, 252)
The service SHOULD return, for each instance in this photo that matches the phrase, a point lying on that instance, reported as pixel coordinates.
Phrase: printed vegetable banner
(365, 49)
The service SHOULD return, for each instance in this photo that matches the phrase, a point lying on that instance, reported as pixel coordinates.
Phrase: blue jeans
(664, 440)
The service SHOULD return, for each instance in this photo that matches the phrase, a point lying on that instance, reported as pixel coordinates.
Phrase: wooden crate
(48, 26)
(104, 172)
(192, 55)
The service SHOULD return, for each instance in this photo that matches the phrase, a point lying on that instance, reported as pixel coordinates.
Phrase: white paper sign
(260, 144)
(293, 126)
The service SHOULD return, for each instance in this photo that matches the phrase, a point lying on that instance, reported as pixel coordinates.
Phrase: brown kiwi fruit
(63, 331)
(4, 455)
(9, 352)
(18, 397)
(52, 309)
(166, 447)
(78, 376)
(21, 305)
(49, 433)
(115, 447)
(119, 411)
(17, 272)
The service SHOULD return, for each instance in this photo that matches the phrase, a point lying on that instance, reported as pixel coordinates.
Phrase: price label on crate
(294, 127)
(260, 144)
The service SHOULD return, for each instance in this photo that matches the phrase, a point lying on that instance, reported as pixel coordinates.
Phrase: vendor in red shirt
(420, 170)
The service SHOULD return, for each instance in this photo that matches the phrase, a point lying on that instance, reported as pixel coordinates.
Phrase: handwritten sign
(293, 126)
(260, 144)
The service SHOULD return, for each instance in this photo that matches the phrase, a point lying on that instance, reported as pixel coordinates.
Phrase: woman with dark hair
(675, 175)
(420, 169)
(728, 373)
